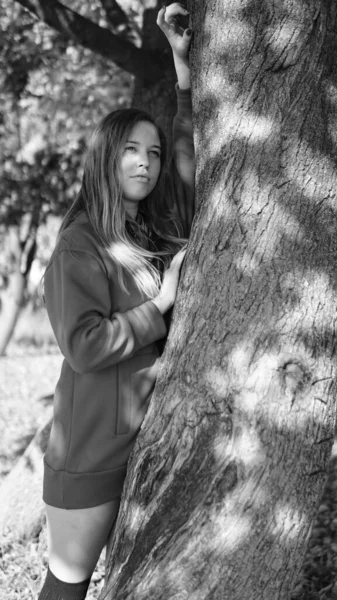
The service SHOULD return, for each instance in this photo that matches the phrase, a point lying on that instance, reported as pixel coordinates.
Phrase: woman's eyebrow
(134, 142)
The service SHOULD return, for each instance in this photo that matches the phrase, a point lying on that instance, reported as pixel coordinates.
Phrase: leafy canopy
(52, 93)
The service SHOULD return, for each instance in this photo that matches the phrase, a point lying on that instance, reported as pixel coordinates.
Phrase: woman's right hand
(168, 291)
(178, 38)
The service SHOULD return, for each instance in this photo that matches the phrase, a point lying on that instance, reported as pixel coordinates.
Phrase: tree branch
(115, 13)
(138, 62)
(119, 20)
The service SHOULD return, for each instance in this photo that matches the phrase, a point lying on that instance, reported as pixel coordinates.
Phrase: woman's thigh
(76, 538)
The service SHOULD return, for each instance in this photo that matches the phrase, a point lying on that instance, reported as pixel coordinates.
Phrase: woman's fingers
(173, 10)
(178, 258)
(161, 18)
(166, 15)
(180, 252)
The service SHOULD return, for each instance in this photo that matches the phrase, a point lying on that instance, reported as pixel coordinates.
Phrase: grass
(23, 569)
(33, 333)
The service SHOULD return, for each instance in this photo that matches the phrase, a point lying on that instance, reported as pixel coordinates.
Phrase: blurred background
(52, 93)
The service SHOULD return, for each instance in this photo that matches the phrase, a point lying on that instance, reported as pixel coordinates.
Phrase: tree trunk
(159, 98)
(20, 255)
(227, 471)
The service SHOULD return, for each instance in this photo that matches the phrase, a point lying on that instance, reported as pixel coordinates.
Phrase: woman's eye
(155, 153)
(130, 148)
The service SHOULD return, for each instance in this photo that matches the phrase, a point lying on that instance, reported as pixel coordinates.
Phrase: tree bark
(229, 466)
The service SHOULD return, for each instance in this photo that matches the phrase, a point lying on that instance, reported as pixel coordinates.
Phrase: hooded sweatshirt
(109, 340)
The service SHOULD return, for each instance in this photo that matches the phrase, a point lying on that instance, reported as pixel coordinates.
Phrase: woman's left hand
(179, 38)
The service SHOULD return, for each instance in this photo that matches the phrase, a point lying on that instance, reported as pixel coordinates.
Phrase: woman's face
(140, 164)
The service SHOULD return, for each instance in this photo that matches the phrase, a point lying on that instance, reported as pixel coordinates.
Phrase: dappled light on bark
(287, 521)
(232, 457)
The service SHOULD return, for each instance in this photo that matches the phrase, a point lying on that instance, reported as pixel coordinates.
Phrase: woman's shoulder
(77, 246)
(78, 243)
(78, 237)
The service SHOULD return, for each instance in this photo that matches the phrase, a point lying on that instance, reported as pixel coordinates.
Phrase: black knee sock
(55, 589)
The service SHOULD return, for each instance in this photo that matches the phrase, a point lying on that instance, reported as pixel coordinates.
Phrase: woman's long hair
(101, 197)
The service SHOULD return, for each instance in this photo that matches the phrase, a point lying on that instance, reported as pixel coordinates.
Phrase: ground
(27, 381)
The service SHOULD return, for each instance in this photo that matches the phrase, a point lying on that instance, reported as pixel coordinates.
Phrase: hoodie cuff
(184, 101)
(147, 323)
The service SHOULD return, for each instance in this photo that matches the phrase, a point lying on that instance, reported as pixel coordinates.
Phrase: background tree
(126, 33)
(227, 471)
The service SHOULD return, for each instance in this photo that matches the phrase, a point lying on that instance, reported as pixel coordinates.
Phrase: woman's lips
(142, 178)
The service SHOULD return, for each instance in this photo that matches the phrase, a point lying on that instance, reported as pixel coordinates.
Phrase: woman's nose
(143, 159)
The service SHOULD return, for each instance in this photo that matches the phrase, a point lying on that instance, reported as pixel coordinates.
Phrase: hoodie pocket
(136, 380)
(123, 416)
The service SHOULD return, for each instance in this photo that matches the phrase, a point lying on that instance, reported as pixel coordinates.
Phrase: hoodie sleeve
(182, 169)
(77, 299)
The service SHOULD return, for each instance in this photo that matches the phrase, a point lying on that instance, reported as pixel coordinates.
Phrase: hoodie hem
(62, 489)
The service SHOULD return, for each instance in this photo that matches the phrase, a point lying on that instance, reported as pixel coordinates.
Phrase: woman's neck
(131, 208)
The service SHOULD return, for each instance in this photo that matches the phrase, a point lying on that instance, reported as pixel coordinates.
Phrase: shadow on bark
(200, 518)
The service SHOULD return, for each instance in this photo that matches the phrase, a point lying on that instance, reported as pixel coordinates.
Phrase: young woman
(109, 282)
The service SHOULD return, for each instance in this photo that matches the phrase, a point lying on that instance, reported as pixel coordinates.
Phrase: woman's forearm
(183, 72)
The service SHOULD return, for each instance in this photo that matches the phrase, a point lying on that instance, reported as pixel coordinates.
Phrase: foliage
(51, 95)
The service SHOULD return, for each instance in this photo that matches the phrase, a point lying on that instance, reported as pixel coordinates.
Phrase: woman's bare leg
(76, 538)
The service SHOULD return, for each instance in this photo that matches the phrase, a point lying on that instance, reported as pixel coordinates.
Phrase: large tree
(227, 471)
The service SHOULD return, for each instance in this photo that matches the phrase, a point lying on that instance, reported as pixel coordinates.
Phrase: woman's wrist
(162, 304)
(183, 72)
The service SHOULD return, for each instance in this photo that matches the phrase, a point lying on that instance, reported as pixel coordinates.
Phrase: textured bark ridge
(229, 466)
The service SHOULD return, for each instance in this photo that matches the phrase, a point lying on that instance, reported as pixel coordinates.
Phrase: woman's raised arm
(179, 40)
(183, 164)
